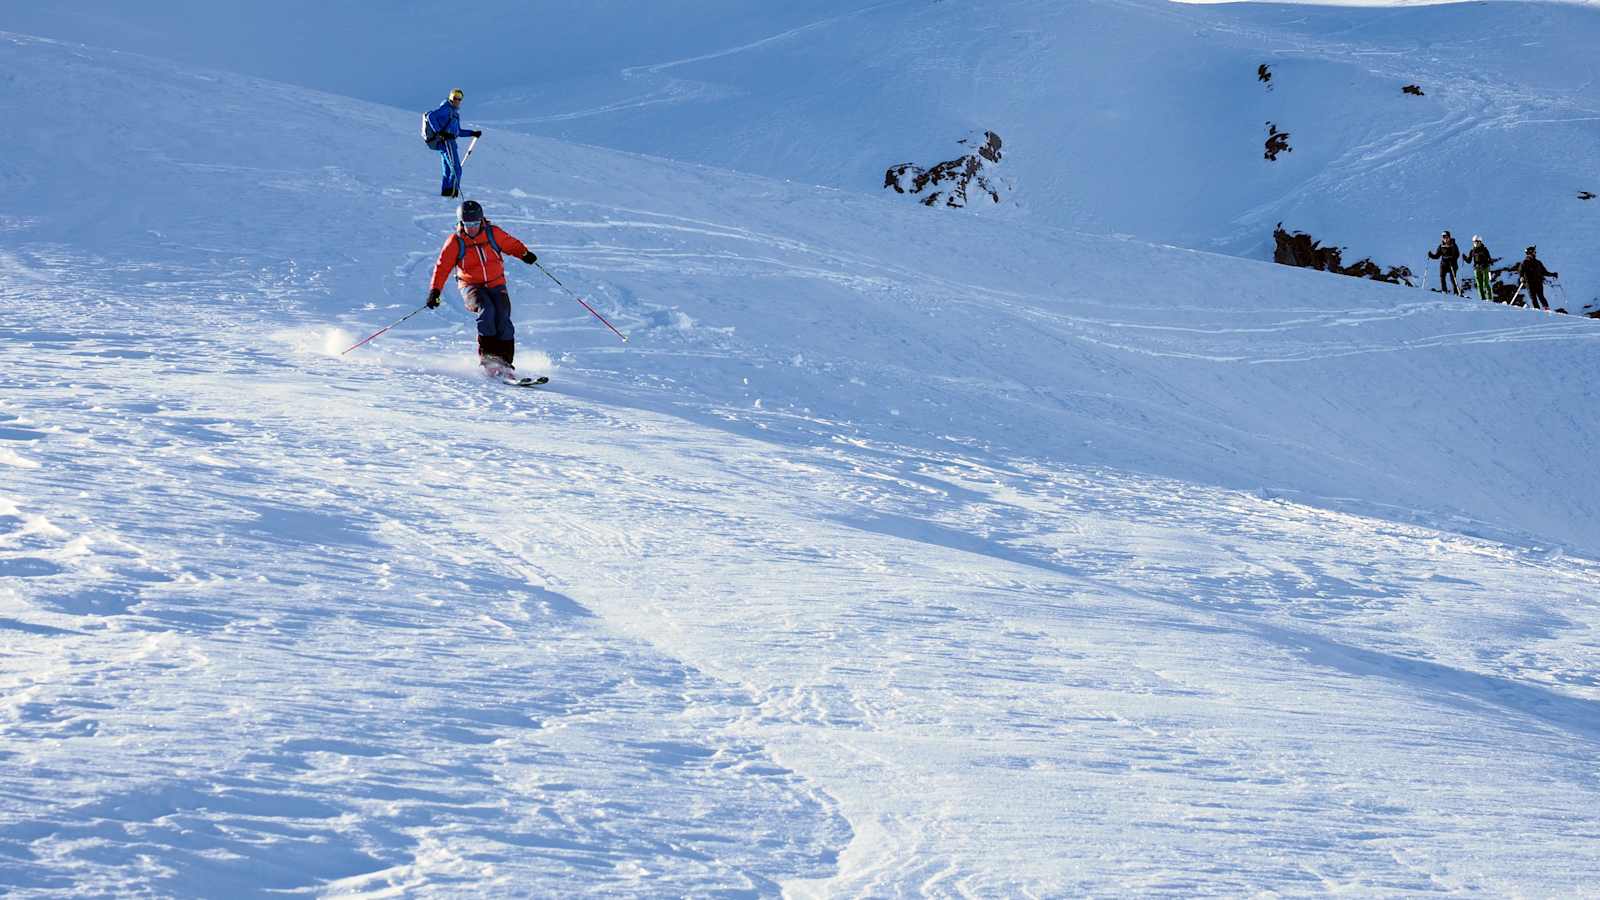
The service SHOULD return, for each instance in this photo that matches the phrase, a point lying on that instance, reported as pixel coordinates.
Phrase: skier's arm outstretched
(511, 245)
(446, 123)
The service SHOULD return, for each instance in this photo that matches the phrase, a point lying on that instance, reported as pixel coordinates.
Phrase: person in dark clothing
(1481, 261)
(1449, 257)
(1533, 275)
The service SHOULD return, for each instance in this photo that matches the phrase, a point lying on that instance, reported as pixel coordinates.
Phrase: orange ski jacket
(478, 257)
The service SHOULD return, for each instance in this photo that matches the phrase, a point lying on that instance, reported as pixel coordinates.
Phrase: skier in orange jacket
(476, 249)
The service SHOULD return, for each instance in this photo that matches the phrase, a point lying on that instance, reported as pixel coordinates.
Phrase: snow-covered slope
(1139, 117)
(895, 553)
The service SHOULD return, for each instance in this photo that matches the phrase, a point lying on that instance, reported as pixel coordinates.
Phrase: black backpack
(429, 136)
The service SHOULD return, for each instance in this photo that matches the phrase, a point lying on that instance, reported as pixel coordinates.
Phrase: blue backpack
(461, 244)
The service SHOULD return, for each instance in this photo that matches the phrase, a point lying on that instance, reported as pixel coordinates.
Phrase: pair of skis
(521, 381)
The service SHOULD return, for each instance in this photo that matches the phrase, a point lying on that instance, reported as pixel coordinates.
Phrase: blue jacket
(446, 121)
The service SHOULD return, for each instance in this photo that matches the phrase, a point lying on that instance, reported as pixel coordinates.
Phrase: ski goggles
(473, 226)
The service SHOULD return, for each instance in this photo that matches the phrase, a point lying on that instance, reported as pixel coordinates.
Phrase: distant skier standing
(1481, 261)
(444, 122)
(1533, 275)
(1449, 256)
(476, 248)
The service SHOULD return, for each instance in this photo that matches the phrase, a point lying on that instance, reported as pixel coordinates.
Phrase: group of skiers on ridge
(475, 249)
(1531, 271)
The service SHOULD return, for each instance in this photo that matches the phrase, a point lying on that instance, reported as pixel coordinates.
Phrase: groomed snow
(898, 553)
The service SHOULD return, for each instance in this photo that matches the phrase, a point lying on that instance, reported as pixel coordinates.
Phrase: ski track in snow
(757, 604)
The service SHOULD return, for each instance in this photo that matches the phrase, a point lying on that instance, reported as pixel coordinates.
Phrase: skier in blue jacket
(445, 121)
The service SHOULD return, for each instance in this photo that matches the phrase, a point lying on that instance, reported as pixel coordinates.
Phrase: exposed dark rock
(1301, 249)
(949, 182)
(1503, 292)
(1264, 75)
(1414, 90)
(1277, 142)
(1585, 195)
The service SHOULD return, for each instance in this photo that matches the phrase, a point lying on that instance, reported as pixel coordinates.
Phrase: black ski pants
(1448, 267)
(1536, 295)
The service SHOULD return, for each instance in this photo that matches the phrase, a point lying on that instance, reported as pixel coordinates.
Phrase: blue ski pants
(450, 159)
(493, 306)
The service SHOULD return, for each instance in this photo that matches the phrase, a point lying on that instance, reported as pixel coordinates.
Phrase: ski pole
(1517, 294)
(470, 148)
(585, 305)
(382, 330)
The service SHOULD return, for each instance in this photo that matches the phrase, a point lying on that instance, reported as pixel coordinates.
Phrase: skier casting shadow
(1449, 256)
(476, 249)
(441, 127)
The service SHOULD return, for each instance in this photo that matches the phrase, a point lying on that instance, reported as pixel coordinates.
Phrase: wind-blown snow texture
(898, 553)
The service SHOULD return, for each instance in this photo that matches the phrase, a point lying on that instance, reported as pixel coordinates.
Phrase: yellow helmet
(456, 95)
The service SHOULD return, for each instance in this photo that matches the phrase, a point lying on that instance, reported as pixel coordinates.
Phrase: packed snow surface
(898, 552)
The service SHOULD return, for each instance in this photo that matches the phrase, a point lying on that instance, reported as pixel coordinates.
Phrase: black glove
(530, 257)
(1555, 274)
(433, 299)
(473, 133)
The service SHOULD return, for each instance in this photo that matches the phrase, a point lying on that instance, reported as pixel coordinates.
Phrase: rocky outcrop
(953, 182)
(1264, 75)
(1503, 292)
(1277, 142)
(1414, 90)
(1301, 249)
